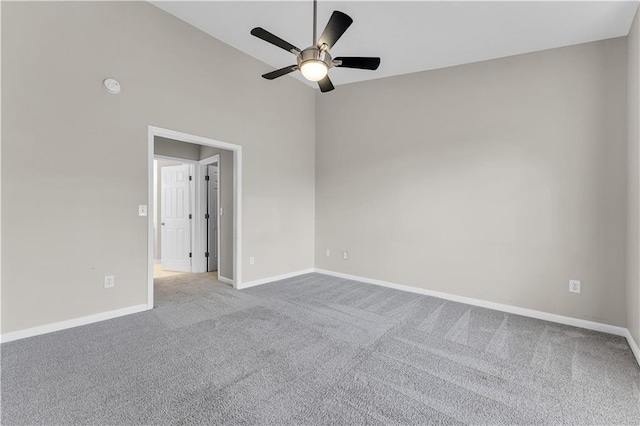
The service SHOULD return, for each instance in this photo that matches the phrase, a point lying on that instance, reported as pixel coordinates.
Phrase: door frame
(154, 131)
(201, 220)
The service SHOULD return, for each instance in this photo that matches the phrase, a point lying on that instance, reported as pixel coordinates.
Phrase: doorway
(197, 225)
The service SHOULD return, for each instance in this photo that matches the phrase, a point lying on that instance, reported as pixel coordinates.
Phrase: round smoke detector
(111, 86)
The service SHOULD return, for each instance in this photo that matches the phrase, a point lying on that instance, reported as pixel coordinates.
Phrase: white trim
(226, 280)
(150, 212)
(1, 191)
(237, 191)
(215, 158)
(192, 210)
(76, 322)
(561, 319)
(218, 221)
(633, 345)
(237, 214)
(275, 278)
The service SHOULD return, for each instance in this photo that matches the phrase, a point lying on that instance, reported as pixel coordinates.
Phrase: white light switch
(142, 210)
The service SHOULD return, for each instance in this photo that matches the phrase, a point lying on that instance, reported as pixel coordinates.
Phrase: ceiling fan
(315, 61)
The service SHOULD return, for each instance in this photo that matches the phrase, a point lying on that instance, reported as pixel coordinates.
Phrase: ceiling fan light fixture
(314, 70)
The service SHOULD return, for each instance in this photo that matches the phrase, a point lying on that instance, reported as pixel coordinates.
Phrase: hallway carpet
(317, 350)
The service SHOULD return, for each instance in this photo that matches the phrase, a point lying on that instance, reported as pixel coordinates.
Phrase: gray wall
(498, 180)
(87, 151)
(176, 149)
(633, 179)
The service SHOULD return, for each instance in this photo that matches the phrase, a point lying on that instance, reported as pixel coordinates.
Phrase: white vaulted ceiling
(409, 36)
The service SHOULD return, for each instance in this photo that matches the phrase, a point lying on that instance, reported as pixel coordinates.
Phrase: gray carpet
(317, 350)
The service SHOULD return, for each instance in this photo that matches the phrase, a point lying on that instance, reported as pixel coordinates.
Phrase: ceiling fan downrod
(314, 39)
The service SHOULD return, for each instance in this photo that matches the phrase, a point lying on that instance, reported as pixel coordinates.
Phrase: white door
(175, 222)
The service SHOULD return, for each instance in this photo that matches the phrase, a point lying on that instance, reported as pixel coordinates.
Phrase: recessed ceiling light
(111, 86)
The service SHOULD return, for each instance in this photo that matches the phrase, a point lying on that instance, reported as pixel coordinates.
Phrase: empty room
(320, 212)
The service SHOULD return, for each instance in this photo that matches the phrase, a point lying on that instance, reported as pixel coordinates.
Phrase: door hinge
(206, 254)
(206, 178)
(190, 177)
(190, 254)
(206, 216)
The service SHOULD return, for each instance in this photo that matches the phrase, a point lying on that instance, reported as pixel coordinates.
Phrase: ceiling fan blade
(337, 25)
(357, 62)
(279, 73)
(325, 85)
(275, 40)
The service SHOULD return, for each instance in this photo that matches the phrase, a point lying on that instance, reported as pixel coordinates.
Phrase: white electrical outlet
(142, 210)
(252, 260)
(109, 281)
(345, 255)
(328, 252)
(574, 286)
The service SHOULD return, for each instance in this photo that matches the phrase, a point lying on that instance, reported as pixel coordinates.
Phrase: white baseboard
(634, 346)
(62, 325)
(225, 280)
(275, 278)
(561, 319)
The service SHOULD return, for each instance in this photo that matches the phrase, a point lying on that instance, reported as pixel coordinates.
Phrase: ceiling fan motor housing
(315, 54)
